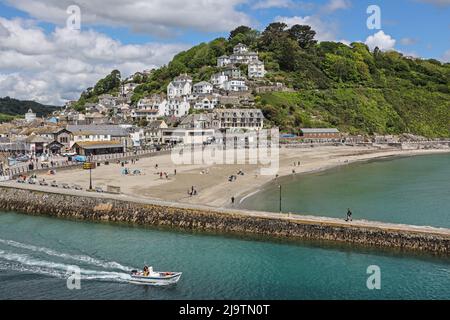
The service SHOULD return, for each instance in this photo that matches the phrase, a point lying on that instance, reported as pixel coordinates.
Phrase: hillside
(11, 108)
(349, 87)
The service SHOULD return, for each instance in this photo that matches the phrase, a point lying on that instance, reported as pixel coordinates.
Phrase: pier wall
(92, 208)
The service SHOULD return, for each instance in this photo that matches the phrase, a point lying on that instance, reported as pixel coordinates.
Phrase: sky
(51, 54)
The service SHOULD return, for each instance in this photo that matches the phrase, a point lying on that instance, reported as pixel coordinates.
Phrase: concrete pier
(82, 205)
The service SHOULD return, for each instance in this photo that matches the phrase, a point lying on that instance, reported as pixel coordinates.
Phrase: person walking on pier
(349, 215)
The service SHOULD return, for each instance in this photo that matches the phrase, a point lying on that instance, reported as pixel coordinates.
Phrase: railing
(24, 168)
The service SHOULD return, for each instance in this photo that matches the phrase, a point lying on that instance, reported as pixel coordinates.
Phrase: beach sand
(213, 188)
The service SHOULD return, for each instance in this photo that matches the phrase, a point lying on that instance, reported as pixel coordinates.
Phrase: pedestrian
(175, 172)
(232, 200)
(349, 215)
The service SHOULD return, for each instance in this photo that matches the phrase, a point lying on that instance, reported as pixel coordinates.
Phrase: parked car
(69, 154)
(23, 158)
(79, 159)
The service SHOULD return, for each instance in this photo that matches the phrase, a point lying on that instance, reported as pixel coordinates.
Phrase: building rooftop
(113, 130)
(99, 144)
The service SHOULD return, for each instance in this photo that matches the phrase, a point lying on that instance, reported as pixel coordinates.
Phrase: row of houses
(43, 137)
(242, 55)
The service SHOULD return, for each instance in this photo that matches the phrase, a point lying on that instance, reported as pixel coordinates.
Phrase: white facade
(187, 136)
(177, 107)
(218, 79)
(223, 61)
(240, 48)
(30, 116)
(244, 58)
(127, 88)
(236, 85)
(146, 114)
(179, 87)
(175, 90)
(203, 88)
(256, 70)
(207, 103)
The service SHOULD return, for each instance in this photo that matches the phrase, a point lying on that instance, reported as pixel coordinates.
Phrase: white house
(244, 58)
(30, 116)
(241, 55)
(144, 114)
(251, 119)
(127, 88)
(233, 72)
(208, 102)
(177, 107)
(203, 88)
(180, 86)
(223, 61)
(236, 85)
(240, 48)
(218, 79)
(256, 69)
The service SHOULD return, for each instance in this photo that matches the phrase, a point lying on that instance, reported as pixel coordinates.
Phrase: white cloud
(267, 4)
(55, 67)
(155, 17)
(325, 30)
(334, 5)
(381, 40)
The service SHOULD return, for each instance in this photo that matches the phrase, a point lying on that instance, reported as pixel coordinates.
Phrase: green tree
(303, 34)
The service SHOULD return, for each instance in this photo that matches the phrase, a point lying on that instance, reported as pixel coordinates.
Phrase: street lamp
(280, 197)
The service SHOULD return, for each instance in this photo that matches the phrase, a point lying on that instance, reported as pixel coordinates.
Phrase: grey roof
(113, 130)
(319, 130)
(202, 83)
(154, 124)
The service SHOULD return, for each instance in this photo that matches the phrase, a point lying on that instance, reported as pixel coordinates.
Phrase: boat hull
(173, 278)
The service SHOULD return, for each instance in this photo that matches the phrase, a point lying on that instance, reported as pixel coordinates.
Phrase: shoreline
(211, 181)
(411, 153)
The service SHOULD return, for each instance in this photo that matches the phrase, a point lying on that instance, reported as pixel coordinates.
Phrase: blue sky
(135, 34)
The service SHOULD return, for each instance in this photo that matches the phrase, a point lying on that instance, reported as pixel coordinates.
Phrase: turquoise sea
(409, 190)
(35, 252)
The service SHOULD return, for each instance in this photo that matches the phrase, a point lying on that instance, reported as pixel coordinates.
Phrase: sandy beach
(212, 181)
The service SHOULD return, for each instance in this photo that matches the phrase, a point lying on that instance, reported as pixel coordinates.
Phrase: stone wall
(111, 210)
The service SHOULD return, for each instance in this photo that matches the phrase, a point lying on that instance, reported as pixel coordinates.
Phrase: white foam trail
(56, 269)
(81, 258)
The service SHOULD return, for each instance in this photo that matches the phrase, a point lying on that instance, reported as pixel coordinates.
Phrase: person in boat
(146, 272)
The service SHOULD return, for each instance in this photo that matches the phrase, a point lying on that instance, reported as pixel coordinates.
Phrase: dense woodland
(349, 87)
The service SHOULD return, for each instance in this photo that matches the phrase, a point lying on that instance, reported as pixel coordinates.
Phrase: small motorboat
(150, 277)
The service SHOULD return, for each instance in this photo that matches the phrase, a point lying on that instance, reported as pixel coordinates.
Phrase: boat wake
(26, 262)
(81, 258)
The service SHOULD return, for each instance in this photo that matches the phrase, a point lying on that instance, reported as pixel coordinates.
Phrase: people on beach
(232, 200)
(349, 215)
